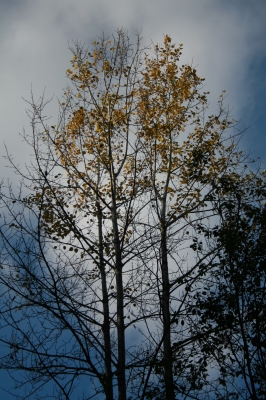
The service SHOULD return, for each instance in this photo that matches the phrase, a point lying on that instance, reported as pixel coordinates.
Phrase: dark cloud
(221, 38)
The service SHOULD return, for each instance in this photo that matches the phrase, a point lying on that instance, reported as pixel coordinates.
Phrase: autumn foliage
(108, 254)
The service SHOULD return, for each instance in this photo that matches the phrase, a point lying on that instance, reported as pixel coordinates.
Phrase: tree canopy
(132, 255)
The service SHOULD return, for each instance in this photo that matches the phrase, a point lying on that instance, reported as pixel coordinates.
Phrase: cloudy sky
(225, 40)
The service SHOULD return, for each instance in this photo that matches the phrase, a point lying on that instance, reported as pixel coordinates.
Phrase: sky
(224, 39)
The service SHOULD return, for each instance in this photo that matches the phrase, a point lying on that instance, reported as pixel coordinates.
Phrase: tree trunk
(168, 371)
(106, 318)
(120, 310)
(120, 336)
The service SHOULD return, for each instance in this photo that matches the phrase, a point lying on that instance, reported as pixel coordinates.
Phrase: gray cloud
(222, 38)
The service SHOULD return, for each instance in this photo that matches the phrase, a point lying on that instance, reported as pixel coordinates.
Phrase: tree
(102, 255)
(238, 299)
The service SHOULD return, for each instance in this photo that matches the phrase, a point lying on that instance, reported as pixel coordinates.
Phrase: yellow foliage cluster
(136, 126)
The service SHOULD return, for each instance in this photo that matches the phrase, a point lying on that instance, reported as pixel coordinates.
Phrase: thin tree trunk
(121, 336)
(106, 317)
(120, 311)
(168, 371)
